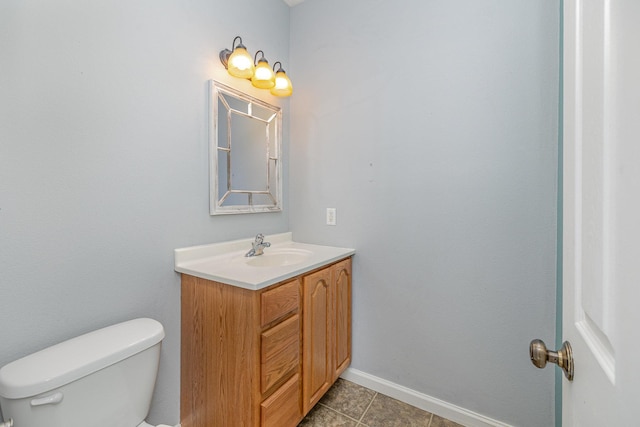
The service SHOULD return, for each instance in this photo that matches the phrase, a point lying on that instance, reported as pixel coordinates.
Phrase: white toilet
(101, 379)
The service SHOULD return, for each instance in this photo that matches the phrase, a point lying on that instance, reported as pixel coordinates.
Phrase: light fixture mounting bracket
(224, 58)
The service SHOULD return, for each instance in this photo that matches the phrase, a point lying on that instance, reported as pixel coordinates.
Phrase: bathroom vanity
(262, 339)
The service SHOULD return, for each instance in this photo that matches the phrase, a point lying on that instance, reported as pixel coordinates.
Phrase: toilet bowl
(103, 378)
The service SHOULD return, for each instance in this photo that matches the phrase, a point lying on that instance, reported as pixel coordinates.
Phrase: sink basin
(225, 262)
(279, 257)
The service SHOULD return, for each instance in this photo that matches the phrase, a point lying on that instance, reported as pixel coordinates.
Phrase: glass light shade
(283, 85)
(263, 77)
(240, 63)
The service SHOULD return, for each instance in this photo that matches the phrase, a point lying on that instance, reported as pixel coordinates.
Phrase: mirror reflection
(245, 144)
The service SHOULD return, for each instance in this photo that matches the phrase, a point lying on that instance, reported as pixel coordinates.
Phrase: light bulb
(283, 86)
(263, 77)
(241, 63)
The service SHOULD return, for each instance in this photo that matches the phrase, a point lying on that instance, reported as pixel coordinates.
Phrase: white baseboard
(421, 400)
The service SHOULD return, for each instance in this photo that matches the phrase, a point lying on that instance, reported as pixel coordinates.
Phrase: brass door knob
(563, 357)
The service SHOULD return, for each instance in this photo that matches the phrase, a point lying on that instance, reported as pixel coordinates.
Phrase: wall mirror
(245, 141)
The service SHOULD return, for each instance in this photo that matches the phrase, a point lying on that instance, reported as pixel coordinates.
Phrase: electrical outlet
(331, 216)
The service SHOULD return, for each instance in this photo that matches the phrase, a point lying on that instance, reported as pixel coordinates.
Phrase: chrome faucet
(258, 246)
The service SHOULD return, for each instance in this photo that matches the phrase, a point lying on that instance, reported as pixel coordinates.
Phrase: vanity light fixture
(239, 64)
(283, 85)
(263, 77)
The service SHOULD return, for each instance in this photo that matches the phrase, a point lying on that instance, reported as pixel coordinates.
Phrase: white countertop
(225, 262)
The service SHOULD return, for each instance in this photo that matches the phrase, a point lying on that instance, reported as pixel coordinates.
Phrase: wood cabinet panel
(342, 316)
(282, 409)
(279, 301)
(280, 352)
(220, 348)
(316, 352)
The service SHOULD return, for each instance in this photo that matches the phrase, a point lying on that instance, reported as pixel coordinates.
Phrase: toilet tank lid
(70, 360)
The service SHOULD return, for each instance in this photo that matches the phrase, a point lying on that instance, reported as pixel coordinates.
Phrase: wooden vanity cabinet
(326, 336)
(262, 358)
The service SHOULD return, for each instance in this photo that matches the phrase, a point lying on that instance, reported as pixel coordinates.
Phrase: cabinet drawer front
(282, 409)
(280, 352)
(279, 301)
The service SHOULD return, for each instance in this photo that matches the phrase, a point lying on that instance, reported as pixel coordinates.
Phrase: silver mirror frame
(273, 189)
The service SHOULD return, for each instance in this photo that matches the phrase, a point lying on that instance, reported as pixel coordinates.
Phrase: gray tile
(442, 422)
(387, 412)
(321, 416)
(348, 398)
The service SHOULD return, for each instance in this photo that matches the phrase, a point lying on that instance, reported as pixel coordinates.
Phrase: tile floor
(350, 405)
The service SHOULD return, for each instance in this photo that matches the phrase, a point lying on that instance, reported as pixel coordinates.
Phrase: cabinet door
(317, 369)
(342, 317)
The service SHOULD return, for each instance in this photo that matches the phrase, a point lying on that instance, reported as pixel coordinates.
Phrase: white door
(601, 237)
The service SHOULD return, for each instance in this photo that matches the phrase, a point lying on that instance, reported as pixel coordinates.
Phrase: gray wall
(103, 161)
(432, 127)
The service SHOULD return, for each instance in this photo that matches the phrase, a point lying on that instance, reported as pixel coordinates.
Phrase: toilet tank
(103, 378)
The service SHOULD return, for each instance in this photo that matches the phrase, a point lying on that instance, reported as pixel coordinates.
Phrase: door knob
(563, 357)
